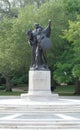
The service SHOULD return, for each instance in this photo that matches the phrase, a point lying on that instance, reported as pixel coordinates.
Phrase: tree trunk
(77, 86)
(53, 82)
(8, 84)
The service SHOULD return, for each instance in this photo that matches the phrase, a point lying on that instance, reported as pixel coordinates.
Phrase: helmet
(36, 25)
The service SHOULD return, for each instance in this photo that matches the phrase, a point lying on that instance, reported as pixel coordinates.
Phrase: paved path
(23, 116)
(16, 113)
(18, 97)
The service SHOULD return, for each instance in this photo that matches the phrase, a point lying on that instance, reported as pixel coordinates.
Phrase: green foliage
(69, 61)
(2, 87)
(76, 71)
(62, 72)
(13, 46)
(6, 65)
(14, 49)
(19, 78)
(73, 35)
(72, 6)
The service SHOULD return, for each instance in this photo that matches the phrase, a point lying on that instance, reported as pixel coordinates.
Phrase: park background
(18, 16)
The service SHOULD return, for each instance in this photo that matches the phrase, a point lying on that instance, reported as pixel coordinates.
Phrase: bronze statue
(40, 42)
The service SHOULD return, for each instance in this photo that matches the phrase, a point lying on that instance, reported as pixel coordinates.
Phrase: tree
(72, 6)
(13, 52)
(5, 45)
(65, 62)
(73, 36)
(6, 9)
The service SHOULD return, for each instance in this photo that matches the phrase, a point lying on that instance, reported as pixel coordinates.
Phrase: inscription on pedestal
(39, 76)
(39, 81)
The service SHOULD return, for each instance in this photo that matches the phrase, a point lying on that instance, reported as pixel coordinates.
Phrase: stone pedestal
(39, 82)
(39, 86)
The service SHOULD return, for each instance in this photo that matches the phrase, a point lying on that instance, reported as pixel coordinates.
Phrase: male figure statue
(40, 42)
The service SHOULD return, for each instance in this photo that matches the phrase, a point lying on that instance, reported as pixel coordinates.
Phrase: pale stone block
(39, 81)
(39, 87)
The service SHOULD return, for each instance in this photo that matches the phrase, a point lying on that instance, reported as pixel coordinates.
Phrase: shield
(45, 43)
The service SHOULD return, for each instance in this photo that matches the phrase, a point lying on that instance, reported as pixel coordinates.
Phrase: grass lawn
(66, 90)
(13, 93)
(61, 90)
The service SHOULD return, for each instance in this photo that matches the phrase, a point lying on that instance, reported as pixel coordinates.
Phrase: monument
(38, 110)
(39, 73)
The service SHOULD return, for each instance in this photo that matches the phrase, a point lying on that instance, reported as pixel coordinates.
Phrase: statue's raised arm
(47, 30)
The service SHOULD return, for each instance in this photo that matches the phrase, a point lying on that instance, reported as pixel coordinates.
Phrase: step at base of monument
(42, 129)
(54, 110)
(40, 124)
(40, 108)
(39, 97)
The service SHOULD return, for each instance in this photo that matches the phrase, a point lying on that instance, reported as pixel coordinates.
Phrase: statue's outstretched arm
(49, 23)
(47, 30)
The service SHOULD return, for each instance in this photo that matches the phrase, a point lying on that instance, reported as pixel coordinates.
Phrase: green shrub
(2, 87)
(19, 79)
